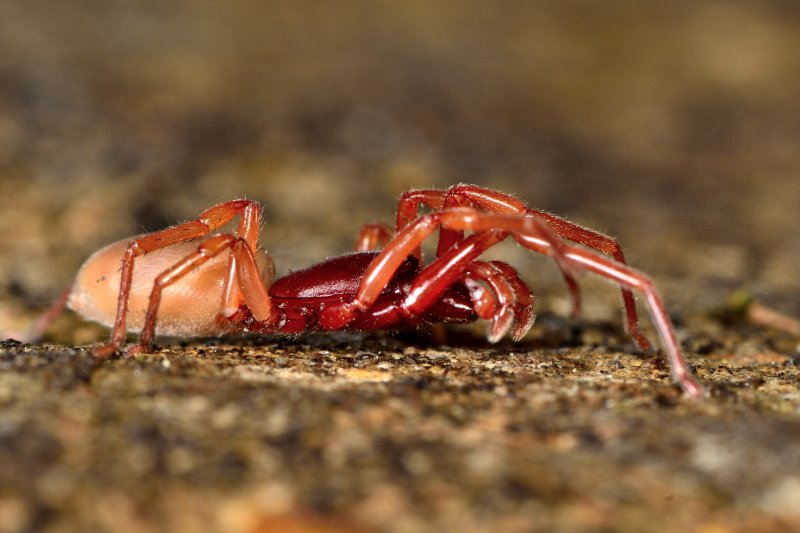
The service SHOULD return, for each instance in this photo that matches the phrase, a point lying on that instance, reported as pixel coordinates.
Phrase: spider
(383, 284)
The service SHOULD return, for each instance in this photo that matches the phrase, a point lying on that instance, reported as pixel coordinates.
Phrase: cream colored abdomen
(189, 307)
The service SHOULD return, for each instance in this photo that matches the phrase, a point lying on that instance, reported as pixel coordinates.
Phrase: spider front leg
(211, 219)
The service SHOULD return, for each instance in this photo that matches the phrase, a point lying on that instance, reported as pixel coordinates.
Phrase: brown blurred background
(674, 126)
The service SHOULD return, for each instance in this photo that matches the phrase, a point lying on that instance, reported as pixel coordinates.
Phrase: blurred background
(671, 125)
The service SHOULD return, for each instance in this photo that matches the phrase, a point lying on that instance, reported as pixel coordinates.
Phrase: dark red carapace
(302, 296)
(170, 285)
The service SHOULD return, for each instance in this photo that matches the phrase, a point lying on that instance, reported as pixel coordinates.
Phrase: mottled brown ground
(673, 126)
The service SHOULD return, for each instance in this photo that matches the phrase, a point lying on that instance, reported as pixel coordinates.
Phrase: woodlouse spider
(162, 287)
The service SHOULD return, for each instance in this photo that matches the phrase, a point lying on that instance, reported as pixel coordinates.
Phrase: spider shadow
(550, 332)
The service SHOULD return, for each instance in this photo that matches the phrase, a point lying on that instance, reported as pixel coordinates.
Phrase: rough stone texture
(673, 126)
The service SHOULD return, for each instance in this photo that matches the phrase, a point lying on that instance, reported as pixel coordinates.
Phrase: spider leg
(408, 208)
(497, 202)
(209, 220)
(638, 281)
(251, 287)
(489, 229)
(410, 202)
(373, 236)
(632, 279)
(44, 321)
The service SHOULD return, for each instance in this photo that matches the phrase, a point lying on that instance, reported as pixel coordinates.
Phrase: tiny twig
(765, 316)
